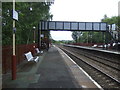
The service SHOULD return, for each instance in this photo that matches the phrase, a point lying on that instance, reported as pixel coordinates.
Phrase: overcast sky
(81, 11)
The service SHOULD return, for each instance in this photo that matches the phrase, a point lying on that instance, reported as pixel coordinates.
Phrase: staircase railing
(113, 33)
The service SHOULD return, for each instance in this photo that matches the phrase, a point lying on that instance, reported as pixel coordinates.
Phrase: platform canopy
(72, 26)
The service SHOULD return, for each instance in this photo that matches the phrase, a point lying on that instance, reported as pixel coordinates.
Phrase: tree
(113, 20)
(27, 20)
(75, 36)
(6, 23)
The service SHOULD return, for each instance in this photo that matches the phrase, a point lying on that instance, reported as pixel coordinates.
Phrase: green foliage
(6, 23)
(118, 23)
(27, 20)
(62, 41)
(75, 35)
(96, 37)
(112, 20)
(91, 37)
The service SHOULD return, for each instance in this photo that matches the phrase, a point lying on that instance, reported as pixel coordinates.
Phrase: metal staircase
(112, 30)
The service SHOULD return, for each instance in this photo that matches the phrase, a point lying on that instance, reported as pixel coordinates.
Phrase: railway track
(103, 71)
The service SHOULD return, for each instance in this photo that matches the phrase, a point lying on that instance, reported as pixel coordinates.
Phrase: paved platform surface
(54, 70)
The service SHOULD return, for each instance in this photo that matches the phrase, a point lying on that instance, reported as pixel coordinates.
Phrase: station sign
(42, 35)
(15, 15)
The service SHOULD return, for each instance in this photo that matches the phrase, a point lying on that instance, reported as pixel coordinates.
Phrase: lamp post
(34, 34)
(30, 29)
(34, 38)
(30, 8)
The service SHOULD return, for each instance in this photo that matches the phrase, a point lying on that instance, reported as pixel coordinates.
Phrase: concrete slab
(54, 72)
(25, 74)
(79, 74)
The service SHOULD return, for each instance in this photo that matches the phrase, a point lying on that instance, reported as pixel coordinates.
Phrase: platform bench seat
(30, 57)
(38, 51)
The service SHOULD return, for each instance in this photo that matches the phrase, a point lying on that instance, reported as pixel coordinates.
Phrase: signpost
(15, 17)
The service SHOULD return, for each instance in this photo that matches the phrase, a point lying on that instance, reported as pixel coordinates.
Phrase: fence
(20, 50)
(84, 44)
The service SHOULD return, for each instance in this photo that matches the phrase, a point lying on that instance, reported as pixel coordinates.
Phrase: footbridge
(72, 26)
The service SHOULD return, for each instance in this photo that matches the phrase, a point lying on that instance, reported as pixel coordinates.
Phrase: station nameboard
(72, 26)
(15, 15)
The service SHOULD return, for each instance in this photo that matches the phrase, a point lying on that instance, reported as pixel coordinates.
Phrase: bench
(30, 57)
(38, 51)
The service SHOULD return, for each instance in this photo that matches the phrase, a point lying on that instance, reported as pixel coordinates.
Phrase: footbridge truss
(72, 26)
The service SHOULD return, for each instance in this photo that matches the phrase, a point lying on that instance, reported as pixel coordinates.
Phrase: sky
(81, 11)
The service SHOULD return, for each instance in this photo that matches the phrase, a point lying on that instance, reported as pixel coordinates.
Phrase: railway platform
(54, 70)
